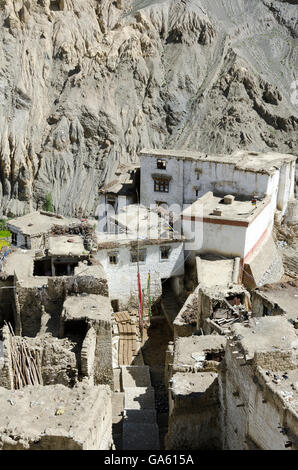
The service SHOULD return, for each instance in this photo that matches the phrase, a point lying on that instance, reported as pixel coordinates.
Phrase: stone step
(140, 416)
(137, 398)
(117, 403)
(135, 376)
(140, 436)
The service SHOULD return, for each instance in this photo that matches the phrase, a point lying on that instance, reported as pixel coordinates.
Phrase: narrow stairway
(140, 429)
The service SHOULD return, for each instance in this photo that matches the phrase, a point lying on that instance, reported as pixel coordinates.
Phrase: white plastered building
(181, 177)
(143, 242)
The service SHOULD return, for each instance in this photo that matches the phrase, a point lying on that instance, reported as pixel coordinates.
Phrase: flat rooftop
(66, 245)
(19, 262)
(87, 307)
(95, 271)
(193, 349)
(287, 387)
(240, 210)
(37, 223)
(30, 414)
(136, 222)
(188, 383)
(256, 162)
(284, 294)
(267, 335)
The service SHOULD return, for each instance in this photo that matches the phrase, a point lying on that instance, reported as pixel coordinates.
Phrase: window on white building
(161, 164)
(113, 257)
(161, 185)
(197, 192)
(165, 252)
(136, 255)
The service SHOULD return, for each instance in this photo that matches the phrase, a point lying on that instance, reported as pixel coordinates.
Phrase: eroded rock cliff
(85, 84)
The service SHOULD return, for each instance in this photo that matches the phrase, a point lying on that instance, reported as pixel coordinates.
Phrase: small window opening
(115, 305)
(161, 164)
(165, 252)
(135, 255)
(113, 257)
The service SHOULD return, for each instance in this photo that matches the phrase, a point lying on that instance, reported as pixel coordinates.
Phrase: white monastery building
(181, 177)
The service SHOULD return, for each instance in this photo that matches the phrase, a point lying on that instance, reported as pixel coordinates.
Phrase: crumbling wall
(6, 301)
(103, 370)
(58, 360)
(6, 376)
(88, 353)
(78, 284)
(185, 324)
(29, 299)
(194, 423)
(257, 399)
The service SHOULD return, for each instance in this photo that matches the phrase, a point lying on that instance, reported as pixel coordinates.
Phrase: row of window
(139, 255)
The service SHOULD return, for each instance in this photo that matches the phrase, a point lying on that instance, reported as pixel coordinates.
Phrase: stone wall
(6, 301)
(88, 353)
(195, 420)
(122, 277)
(257, 387)
(6, 378)
(103, 369)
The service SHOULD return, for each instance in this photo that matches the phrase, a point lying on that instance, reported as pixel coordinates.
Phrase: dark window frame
(165, 250)
(161, 185)
(161, 164)
(141, 254)
(113, 255)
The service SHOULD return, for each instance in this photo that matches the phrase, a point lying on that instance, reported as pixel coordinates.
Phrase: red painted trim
(219, 221)
(208, 220)
(255, 245)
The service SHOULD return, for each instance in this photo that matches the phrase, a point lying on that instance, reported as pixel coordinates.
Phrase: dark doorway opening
(65, 268)
(115, 305)
(76, 328)
(54, 5)
(42, 268)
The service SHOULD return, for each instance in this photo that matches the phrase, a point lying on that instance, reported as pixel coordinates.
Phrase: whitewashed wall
(257, 228)
(122, 278)
(286, 186)
(185, 187)
(221, 178)
(174, 169)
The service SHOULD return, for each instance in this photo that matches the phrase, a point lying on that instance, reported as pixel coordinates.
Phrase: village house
(30, 230)
(143, 242)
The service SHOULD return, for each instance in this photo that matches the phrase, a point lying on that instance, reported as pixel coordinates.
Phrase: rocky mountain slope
(85, 84)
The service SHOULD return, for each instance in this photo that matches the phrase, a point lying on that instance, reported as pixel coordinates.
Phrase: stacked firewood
(25, 362)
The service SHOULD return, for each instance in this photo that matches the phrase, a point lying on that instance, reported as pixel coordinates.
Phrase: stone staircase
(139, 426)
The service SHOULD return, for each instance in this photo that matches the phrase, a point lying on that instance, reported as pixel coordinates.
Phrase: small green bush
(48, 204)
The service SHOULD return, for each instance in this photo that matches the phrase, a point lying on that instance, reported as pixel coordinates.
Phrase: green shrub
(48, 204)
